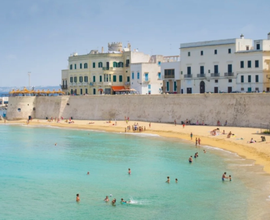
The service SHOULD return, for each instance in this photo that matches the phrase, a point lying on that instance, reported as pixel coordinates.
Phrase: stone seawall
(249, 110)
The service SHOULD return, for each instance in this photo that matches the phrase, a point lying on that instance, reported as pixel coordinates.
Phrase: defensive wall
(249, 110)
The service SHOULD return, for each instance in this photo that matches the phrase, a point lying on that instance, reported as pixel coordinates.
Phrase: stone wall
(249, 110)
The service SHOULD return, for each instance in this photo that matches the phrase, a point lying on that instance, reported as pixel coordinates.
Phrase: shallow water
(40, 180)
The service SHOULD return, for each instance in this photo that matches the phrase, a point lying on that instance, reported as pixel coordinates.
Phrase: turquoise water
(40, 180)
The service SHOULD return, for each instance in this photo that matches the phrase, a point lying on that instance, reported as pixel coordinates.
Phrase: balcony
(215, 74)
(127, 83)
(72, 84)
(201, 75)
(92, 83)
(107, 83)
(188, 76)
(64, 86)
(229, 74)
(108, 69)
(147, 81)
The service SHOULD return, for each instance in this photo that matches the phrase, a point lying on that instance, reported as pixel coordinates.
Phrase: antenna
(29, 80)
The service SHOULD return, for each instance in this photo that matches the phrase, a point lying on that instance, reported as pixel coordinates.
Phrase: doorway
(202, 87)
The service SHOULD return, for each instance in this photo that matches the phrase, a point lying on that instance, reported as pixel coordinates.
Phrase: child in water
(168, 179)
(230, 177)
(129, 171)
(78, 198)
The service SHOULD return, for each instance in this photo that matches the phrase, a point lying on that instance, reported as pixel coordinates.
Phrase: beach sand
(238, 143)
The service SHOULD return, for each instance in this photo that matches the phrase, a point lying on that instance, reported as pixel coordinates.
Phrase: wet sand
(238, 143)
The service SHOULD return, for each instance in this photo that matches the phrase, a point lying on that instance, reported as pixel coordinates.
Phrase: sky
(38, 36)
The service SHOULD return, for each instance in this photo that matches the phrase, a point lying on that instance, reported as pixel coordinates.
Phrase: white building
(146, 77)
(225, 66)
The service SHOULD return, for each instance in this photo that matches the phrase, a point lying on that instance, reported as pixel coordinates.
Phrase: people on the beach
(174, 122)
(252, 140)
(229, 134)
(107, 199)
(168, 179)
(199, 141)
(191, 135)
(77, 198)
(190, 159)
(196, 142)
(129, 171)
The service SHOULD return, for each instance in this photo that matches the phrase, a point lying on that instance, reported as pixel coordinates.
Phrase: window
(127, 63)
(107, 78)
(100, 78)
(216, 80)
(159, 75)
(114, 78)
(86, 79)
(242, 64)
(256, 63)
(81, 79)
(215, 68)
(215, 52)
(75, 79)
(85, 65)
(257, 78)
(230, 80)
(249, 64)
(75, 66)
(94, 65)
(94, 78)
(120, 64)
(229, 50)
(146, 76)
(242, 79)
(100, 65)
(120, 78)
(169, 73)
(247, 47)
(114, 64)
(94, 91)
(167, 86)
(159, 63)
(81, 92)
(229, 68)
(149, 86)
(201, 53)
(242, 89)
(189, 70)
(71, 79)
(189, 54)
(258, 46)
(128, 79)
(174, 86)
(215, 89)
(132, 75)
(201, 69)
(71, 91)
(86, 91)
(70, 66)
(80, 65)
(138, 75)
(249, 78)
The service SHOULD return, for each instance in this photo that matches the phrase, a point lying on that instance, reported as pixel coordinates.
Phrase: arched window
(75, 79)
(86, 79)
(120, 64)
(81, 79)
(114, 64)
(100, 64)
(71, 79)
(85, 66)
(71, 91)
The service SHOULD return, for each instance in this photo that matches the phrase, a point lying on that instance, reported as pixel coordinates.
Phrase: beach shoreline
(238, 143)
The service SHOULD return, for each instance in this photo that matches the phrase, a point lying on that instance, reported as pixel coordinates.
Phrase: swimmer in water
(88, 173)
(176, 180)
(113, 201)
(124, 202)
(204, 151)
(224, 176)
(230, 177)
(106, 199)
(78, 198)
(168, 179)
(129, 171)
(190, 159)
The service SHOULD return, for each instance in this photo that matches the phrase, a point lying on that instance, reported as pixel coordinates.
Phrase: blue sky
(39, 35)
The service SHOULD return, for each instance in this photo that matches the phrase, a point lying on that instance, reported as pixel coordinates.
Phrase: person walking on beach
(199, 141)
(196, 142)
(174, 122)
(183, 124)
(191, 135)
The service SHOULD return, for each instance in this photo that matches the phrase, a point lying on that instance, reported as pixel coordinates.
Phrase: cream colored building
(100, 72)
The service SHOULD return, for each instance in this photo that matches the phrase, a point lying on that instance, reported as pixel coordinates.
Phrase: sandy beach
(238, 143)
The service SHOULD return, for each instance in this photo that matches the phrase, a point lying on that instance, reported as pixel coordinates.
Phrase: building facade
(100, 72)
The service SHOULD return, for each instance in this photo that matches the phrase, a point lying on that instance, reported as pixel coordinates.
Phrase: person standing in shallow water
(77, 198)
(168, 179)
(129, 171)
(191, 135)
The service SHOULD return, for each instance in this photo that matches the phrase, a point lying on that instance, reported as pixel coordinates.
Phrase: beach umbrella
(12, 92)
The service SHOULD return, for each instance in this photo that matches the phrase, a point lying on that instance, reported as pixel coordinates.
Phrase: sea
(43, 168)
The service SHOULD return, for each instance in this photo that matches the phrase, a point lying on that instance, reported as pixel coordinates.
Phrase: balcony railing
(215, 74)
(92, 83)
(146, 81)
(64, 86)
(188, 76)
(229, 74)
(107, 83)
(201, 75)
(127, 83)
(108, 68)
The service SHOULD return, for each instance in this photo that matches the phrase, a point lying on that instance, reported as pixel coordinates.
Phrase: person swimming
(113, 201)
(88, 173)
(106, 199)
(176, 180)
(190, 159)
(168, 179)
(78, 198)
(124, 202)
(129, 171)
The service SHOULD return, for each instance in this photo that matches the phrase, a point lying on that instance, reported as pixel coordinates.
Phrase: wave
(219, 149)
